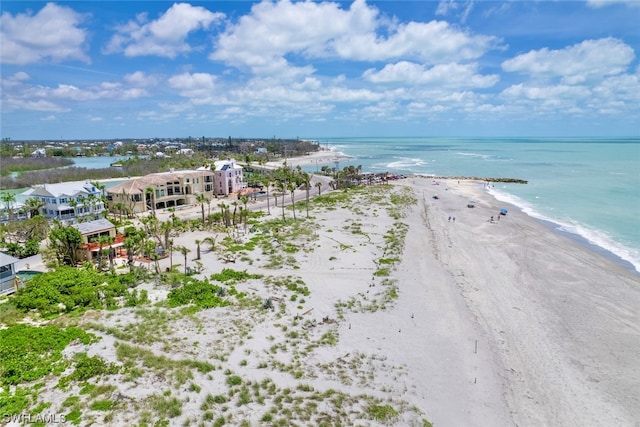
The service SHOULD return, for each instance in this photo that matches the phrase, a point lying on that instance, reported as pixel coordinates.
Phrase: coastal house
(229, 177)
(161, 190)
(7, 274)
(67, 200)
(40, 152)
(92, 232)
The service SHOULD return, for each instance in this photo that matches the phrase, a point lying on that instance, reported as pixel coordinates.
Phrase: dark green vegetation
(202, 294)
(69, 289)
(28, 353)
(189, 357)
(38, 170)
(12, 164)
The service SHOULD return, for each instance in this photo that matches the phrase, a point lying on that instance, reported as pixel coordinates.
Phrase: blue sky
(142, 69)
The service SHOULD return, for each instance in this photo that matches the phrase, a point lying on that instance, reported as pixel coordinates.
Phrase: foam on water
(595, 237)
(404, 164)
(586, 187)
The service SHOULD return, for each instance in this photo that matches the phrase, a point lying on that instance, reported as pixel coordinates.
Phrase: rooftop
(62, 189)
(7, 259)
(94, 226)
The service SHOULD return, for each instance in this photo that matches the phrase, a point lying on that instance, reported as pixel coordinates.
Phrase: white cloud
(19, 94)
(140, 79)
(449, 75)
(262, 41)
(522, 91)
(54, 34)
(591, 59)
(166, 36)
(31, 104)
(198, 87)
(447, 7)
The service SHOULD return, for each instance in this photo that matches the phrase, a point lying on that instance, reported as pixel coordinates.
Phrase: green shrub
(197, 292)
(382, 412)
(29, 352)
(88, 367)
(234, 380)
(68, 288)
(228, 275)
(101, 405)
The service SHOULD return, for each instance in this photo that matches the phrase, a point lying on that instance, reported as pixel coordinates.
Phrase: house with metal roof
(8, 283)
(68, 200)
(91, 232)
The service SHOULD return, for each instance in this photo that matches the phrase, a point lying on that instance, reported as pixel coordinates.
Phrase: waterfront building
(96, 235)
(229, 177)
(161, 190)
(8, 283)
(68, 200)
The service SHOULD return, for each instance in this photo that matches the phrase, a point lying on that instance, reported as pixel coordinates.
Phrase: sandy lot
(415, 309)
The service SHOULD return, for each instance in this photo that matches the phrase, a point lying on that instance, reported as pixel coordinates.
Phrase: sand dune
(425, 307)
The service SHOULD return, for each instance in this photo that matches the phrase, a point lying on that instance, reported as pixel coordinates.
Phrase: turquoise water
(589, 187)
(27, 275)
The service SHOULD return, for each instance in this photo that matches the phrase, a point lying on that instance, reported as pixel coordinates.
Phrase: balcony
(94, 246)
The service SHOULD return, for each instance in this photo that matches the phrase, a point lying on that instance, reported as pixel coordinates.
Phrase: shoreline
(508, 320)
(551, 308)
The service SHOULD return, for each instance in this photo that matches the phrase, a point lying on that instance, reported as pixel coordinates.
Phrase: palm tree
(92, 200)
(245, 200)
(282, 186)
(130, 244)
(307, 187)
(9, 199)
(292, 189)
(170, 254)
(235, 208)
(224, 209)
(103, 194)
(319, 187)
(150, 249)
(33, 204)
(101, 240)
(267, 184)
(184, 251)
(202, 199)
(110, 240)
(150, 194)
(198, 248)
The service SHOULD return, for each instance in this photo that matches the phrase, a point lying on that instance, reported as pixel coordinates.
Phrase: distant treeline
(131, 167)
(10, 165)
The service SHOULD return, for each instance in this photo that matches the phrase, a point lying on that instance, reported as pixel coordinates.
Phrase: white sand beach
(478, 323)
(318, 158)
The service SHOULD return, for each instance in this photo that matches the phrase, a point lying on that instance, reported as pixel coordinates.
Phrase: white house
(40, 152)
(68, 200)
(7, 274)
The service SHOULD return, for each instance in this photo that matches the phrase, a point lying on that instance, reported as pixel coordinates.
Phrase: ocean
(586, 187)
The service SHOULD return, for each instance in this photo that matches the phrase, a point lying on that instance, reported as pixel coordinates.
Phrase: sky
(287, 69)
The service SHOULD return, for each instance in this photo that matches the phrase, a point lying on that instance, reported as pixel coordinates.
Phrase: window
(5, 271)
